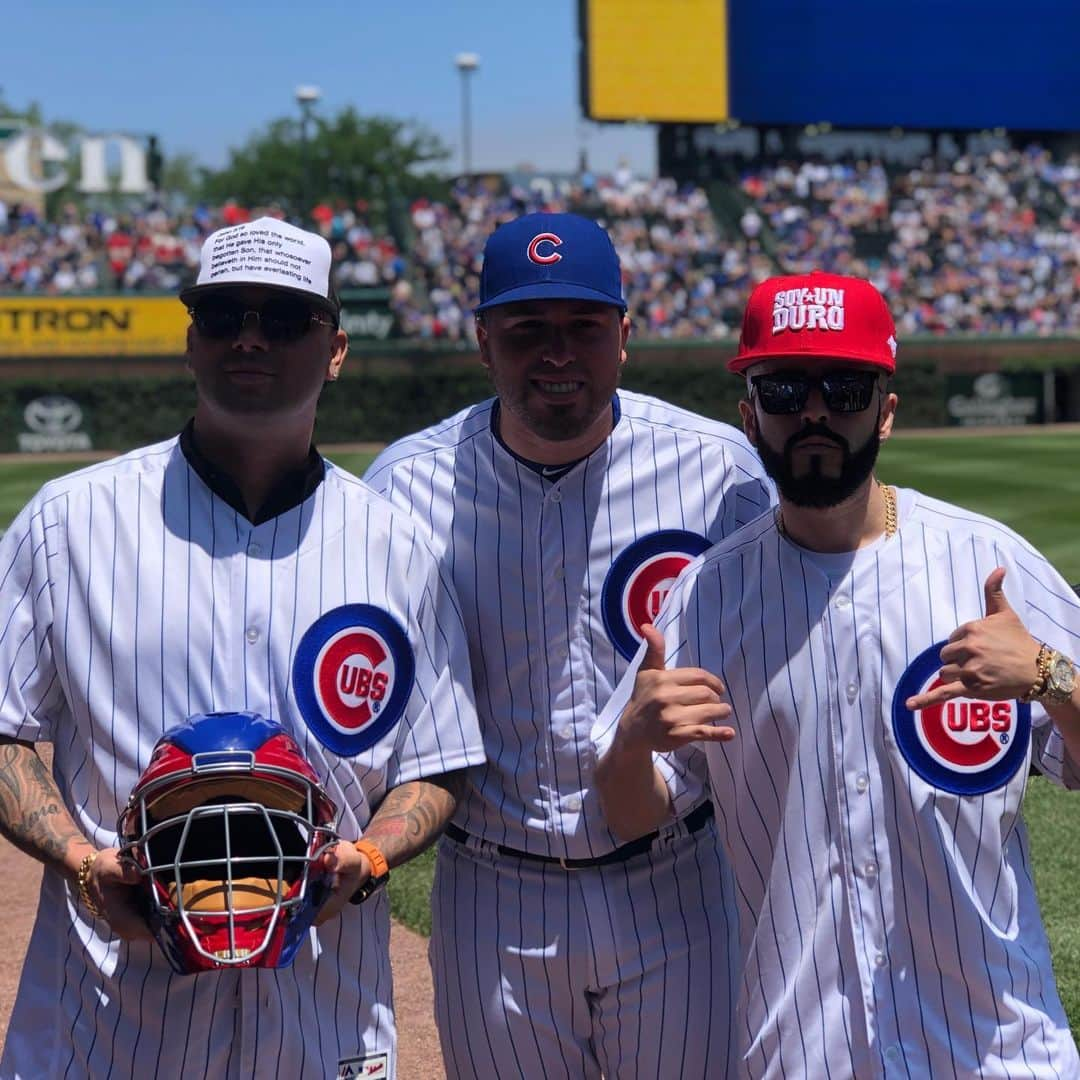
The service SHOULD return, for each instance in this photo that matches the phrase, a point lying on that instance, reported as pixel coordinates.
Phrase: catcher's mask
(226, 824)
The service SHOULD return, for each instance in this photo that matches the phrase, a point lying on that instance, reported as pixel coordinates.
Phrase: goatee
(815, 489)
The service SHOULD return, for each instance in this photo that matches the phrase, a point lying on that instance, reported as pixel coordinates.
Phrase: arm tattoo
(413, 815)
(32, 814)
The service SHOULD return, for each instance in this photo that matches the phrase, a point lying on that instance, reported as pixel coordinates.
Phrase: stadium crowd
(988, 243)
(682, 275)
(984, 243)
(152, 250)
(685, 278)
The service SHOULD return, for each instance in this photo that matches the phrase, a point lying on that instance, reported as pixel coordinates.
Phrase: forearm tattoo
(32, 814)
(412, 816)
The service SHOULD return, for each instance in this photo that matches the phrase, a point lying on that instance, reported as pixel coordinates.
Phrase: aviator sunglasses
(281, 319)
(784, 392)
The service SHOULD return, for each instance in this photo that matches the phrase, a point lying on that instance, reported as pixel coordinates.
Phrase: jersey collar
(548, 472)
(290, 491)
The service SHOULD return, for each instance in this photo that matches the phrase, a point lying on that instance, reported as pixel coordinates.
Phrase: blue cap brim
(553, 290)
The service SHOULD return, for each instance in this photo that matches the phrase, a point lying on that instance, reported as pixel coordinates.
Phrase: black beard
(814, 490)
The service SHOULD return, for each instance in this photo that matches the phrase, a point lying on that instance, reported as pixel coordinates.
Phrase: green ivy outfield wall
(388, 389)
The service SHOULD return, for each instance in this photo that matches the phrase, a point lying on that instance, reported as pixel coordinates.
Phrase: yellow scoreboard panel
(655, 60)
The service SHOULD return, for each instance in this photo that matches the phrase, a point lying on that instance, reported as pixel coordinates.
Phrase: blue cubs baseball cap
(550, 257)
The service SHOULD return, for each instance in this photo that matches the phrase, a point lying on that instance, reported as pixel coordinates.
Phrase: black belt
(692, 822)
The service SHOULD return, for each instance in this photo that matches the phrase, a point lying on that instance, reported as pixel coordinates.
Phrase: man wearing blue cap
(563, 509)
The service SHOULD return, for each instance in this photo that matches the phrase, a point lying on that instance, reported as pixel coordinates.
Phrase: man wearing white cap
(231, 568)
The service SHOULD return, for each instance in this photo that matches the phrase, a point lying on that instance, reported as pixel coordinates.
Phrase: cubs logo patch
(639, 580)
(964, 746)
(352, 675)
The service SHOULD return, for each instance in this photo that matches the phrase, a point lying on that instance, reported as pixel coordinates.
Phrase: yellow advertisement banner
(91, 326)
(657, 60)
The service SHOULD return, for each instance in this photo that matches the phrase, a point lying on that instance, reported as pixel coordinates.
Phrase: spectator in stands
(987, 243)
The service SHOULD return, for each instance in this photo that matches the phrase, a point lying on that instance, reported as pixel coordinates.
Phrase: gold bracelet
(84, 886)
(1042, 673)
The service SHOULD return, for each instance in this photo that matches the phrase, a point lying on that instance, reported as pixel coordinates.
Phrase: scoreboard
(955, 65)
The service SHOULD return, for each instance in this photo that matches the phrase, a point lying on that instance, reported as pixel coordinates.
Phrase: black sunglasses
(783, 392)
(280, 319)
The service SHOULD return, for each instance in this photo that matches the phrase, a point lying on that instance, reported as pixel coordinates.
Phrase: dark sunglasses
(281, 319)
(786, 392)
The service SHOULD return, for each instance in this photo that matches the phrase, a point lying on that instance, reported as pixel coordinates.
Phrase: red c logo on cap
(534, 248)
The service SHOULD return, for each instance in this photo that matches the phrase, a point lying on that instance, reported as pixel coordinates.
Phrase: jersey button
(852, 692)
(573, 804)
(843, 600)
(880, 960)
(251, 634)
(556, 495)
(254, 549)
(870, 870)
(862, 782)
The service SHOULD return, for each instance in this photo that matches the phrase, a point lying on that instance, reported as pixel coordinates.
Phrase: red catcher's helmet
(226, 824)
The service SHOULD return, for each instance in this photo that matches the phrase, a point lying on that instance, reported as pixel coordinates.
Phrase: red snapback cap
(816, 316)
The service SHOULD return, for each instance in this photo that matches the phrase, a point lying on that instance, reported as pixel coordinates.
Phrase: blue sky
(204, 76)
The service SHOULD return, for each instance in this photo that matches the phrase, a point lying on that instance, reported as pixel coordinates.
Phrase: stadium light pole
(466, 63)
(307, 97)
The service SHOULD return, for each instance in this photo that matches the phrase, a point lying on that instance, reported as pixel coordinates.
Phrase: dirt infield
(418, 1054)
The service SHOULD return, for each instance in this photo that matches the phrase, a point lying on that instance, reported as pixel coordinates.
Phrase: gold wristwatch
(1056, 678)
(1060, 680)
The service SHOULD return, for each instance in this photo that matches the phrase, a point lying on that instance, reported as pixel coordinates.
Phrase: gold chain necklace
(890, 510)
(887, 494)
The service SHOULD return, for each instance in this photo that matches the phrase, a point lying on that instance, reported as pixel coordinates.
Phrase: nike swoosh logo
(552, 470)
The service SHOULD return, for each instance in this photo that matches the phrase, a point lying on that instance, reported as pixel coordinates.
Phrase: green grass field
(1030, 482)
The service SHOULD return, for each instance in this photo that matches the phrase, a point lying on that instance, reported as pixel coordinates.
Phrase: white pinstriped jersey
(888, 916)
(134, 597)
(546, 601)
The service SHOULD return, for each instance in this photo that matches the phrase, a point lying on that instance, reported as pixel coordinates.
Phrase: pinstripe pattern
(565, 977)
(540, 971)
(137, 598)
(889, 927)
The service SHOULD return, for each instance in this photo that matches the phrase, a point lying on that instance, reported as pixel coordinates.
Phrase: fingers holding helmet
(227, 828)
(348, 870)
(109, 888)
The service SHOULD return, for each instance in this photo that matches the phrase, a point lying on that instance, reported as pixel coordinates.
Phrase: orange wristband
(379, 865)
(380, 871)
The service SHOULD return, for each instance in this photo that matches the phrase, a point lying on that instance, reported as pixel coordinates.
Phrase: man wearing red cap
(870, 672)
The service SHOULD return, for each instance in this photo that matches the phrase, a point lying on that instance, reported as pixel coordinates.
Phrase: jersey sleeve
(406, 483)
(751, 491)
(379, 474)
(1051, 614)
(440, 731)
(31, 691)
(685, 771)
